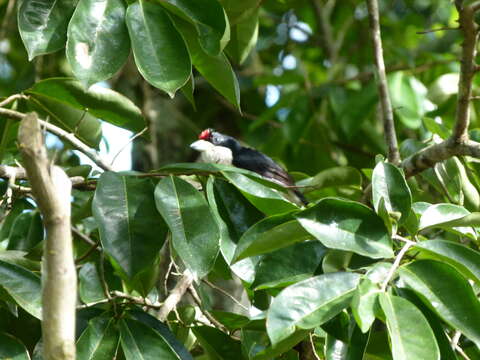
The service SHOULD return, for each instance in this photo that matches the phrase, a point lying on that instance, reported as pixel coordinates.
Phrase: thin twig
(386, 105)
(103, 281)
(87, 253)
(205, 312)
(136, 299)
(231, 297)
(437, 29)
(64, 135)
(12, 98)
(127, 143)
(458, 349)
(396, 264)
(175, 295)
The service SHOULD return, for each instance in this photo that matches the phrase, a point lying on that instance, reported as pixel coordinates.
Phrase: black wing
(255, 161)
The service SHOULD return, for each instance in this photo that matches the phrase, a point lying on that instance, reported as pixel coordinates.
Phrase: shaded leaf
(195, 235)
(12, 349)
(363, 304)
(218, 345)
(131, 231)
(244, 37)
(26, 232)
(270, 234)
(23, 286)
(333, 177)
(98, 101)
(99, 341)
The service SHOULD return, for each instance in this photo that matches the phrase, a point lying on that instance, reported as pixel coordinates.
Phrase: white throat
(212, 154)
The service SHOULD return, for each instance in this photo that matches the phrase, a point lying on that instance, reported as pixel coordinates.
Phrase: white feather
(210, 153)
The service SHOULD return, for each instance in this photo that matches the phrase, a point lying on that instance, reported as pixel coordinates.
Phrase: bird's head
(219, 139)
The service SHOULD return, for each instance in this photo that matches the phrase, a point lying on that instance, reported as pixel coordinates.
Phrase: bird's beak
(200, 145)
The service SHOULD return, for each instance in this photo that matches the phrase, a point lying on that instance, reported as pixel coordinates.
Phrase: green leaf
(99, 341)
(90, 288)
(270, 234)
(165, 333)
(447, 293)
(215, 69)
(244, 37)
(131, 231)
(195, 235)
(43, 24)
(289, 265)
(233, 213)
(217, 344)
(444, 216)
(140, 341)
(309, 303)
(159, 50)
(19, 258)
(23, 286)
(347, 225)
(350, 349)
(98, 101)
(410, 334)
(461, 257)
(209, 20)
(264, 198)
(239, 10)
(273, 351)
(98, 43)
(388, 183)
(12, 349)
(26, 232)
(333, 177)
(363, 304)
(408, 98)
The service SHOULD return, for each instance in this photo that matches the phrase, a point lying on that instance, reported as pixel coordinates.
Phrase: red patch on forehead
(205, 134)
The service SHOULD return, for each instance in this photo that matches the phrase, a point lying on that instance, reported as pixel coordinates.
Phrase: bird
(215, 147)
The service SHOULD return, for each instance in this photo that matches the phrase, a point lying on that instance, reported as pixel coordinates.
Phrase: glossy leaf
(363, 304)
(140, 341)
(388, 183)
(12, 349)
(99, 341)
(90, 288)
(333, 177)
(309, 303)
(131, 231)
(19, 258)
(461, 257)
(164, 331)
(264, 198)
(215, 69)
(410, 333)
(98, 101)
(270, 234)
(274, 350)
(408, 98)
(232, 212)
(289, 265)
(208, 18)
(159, 50)
(217, 344)
(23, 286)
(98, 43)
(244, 37)
(195, 235)
(43, 25)
(347, 225)
(26, 232)
(445, 215)
(354, 348)
(447, 293)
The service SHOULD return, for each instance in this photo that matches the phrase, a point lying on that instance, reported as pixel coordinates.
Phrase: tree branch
(62, 134)
(175, 295)
(467, 71)
(52, 189)
(386, 105)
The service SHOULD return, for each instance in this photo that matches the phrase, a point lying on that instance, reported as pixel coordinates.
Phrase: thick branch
(62, 134)
(429, 156)
(386, 105)
(467, 71)
(52, 190)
